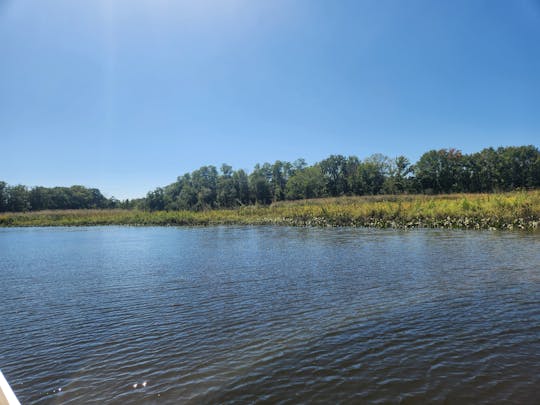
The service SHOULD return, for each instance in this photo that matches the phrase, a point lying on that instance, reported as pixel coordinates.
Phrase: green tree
(334, 170)
(373, 172)
(241, 184)
(18, 198)
(227, 195)
(39, 199)
(259, 184)
(440, 171)
(204, 181)
(155, 200)
(353, 176)
(398, 178)
(519, 166)
(3, 196)
(281, 171)
(306, 183)
(298, 164)
(482, 171)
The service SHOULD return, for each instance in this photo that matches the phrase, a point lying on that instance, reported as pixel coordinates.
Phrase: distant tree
(227, 195)
(298, 164)
(43, 198)
(98, 200)
(353, 176)
(172, 193)
(437, 171)
(485, 171)
(398, 180)
(155, 200)
(281, 171)
(3, 196)
(18, 199)
(112, 203)
(39, 199)
(306, 183)
(204, 181)
(440, 171)
(259, 184)
(188, 198)
(373, 172)
(184, 195)
(241, 184)
(334, 170)
(520, 166)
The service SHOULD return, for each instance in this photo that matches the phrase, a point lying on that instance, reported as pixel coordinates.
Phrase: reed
(515, 210)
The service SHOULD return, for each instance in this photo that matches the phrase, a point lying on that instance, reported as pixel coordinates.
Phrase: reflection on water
(225, 314)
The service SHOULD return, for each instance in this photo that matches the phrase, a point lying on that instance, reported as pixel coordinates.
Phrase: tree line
(21, 198)
(436, 172)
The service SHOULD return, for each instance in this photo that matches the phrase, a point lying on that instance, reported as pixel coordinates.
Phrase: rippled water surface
(248, 314)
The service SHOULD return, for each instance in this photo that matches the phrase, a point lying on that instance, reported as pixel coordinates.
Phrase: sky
(126, 95)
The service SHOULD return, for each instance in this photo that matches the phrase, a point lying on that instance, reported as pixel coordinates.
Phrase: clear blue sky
(126, 95)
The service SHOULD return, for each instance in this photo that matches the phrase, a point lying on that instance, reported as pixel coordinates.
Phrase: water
(269, 314)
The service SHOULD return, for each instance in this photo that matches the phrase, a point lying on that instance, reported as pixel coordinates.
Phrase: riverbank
(516, 210)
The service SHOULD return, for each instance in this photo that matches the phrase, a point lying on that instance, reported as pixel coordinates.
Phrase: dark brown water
(264, 314)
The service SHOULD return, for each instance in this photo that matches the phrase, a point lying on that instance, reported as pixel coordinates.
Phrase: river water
(269, 314)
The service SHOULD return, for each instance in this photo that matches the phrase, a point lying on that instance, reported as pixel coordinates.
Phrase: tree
(398, 179)
(298, 164)
(227, 195)
(187, 199)
(520, 167)
(155, 200)
(334, 169)
(241, 184)
(281, 171)
(3, 196)
(440, 171)
(352, 173)
(39, 199)
(482, 171)
(306, 183)
(18, 200)
(259, 184)
(204, 181)
(373, 172)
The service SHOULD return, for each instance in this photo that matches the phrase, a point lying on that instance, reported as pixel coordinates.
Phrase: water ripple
(275, 315)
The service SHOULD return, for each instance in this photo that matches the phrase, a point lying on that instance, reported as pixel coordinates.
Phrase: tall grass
(516, 210)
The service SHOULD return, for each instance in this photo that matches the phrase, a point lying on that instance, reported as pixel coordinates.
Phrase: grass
(516, 210)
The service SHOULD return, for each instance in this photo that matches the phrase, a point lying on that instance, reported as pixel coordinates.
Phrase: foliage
(436, 172)
(305, 183)
(19, 198)
(516, 210)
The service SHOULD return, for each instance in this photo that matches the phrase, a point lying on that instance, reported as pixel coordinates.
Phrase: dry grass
(516, 210)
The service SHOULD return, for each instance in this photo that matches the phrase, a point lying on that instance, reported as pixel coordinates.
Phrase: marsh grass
(516, 210)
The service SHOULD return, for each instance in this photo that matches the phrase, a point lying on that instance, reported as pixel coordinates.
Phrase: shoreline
(505, 211)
